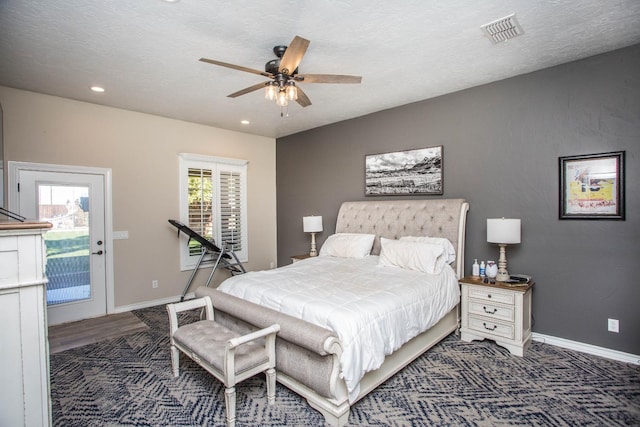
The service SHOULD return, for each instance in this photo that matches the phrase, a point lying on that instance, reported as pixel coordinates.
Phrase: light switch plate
(120, 235)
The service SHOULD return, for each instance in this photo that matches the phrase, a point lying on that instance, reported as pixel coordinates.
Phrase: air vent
(502, 29)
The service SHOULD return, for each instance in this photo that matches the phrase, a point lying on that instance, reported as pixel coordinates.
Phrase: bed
(312, 354)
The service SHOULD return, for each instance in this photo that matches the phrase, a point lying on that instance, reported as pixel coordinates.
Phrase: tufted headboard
(393, 219)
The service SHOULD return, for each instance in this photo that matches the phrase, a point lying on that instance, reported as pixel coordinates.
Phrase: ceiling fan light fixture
(271, 91)
(281, 99)
(292, 91)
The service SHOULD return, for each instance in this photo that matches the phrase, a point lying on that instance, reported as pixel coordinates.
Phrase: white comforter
(374, 310)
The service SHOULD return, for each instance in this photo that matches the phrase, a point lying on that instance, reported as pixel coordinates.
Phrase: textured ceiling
(145, 52)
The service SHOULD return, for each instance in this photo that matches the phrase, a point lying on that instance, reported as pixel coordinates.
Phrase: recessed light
(97, 89)
(245, 122)
(171, 1)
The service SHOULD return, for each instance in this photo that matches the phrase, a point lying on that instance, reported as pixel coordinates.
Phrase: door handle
(100, 252)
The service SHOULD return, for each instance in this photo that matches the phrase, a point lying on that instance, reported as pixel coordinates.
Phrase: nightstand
(296, 258)
(498, 312)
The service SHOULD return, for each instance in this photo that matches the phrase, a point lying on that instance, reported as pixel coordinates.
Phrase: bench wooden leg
(230, 405)
(271, 386)
(175, 360)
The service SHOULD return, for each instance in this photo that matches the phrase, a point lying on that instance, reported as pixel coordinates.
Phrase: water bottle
(475, 268)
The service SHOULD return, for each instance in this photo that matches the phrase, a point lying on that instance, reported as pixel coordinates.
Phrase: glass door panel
(68, 246)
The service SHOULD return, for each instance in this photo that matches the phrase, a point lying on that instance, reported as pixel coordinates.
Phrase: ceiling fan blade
(327, 78)
(303, 99)
(236, 67)
(247, 90)
(293, 55)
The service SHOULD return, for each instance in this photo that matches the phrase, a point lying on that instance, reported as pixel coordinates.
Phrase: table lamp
(313, 225)
(503, 231)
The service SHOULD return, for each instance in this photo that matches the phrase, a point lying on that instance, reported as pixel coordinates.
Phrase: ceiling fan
(283, 73)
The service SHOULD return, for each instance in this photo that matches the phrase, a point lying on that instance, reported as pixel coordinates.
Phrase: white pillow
(445, 243)
(411, 255)
(348, 245)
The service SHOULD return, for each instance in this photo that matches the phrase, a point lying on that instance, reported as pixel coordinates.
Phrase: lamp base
(314, 251)
(502, 276)
(502, 264)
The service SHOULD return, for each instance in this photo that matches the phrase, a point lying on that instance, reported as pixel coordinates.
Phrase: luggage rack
(223, 257)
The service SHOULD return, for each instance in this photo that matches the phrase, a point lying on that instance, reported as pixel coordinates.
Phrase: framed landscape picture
(592, 186)
(404, 172)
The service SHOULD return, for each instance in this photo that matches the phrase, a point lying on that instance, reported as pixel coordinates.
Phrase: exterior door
(76, 263)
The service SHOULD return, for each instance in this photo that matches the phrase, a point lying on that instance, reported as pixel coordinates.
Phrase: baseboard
(587, 348)
(153, 303)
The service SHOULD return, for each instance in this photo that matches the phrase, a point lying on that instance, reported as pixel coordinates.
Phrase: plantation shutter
(213, 202)
(231, 210)
(200, 209)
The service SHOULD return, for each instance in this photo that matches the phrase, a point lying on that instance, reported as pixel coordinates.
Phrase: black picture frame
(402, 173)
(592, 186)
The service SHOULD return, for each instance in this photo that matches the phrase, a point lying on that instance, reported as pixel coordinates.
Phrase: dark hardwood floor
(76, 334)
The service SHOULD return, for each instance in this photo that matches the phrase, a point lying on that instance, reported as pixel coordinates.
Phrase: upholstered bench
(228, 356)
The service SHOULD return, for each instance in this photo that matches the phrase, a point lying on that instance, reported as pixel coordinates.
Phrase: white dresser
(24, 358)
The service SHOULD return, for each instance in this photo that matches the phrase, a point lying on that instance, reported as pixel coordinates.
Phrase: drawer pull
(488, 328)
(488, 311)
(488, 295)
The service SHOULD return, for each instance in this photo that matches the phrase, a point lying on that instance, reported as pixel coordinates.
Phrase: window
(213, 202)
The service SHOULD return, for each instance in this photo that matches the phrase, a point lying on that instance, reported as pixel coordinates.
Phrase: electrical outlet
(613, 325)
(154, 284)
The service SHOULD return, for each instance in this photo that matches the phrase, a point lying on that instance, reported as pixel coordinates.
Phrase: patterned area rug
(127, 381)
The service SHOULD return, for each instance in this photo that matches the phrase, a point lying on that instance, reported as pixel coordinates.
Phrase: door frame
(14, 168)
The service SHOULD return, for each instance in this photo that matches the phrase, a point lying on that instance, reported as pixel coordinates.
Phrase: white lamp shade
(503, 230)
(312, 224)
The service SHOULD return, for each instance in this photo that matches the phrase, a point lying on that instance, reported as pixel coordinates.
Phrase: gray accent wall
(501, 144)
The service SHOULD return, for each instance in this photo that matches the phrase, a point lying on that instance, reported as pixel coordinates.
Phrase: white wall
(142, 151)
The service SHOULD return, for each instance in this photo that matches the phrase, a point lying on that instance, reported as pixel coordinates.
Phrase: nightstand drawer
(488, 326)
(490, 294)
(483, 308)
